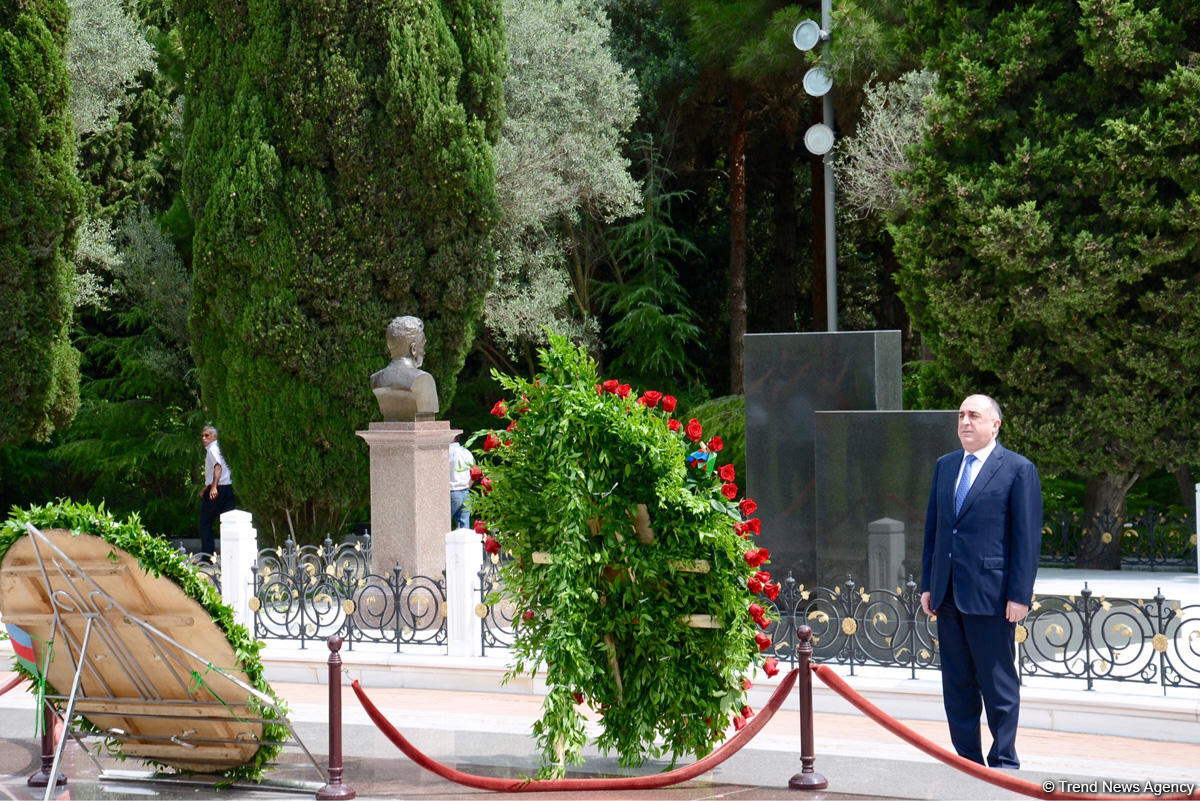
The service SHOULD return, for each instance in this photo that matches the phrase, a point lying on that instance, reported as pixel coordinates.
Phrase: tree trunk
(1104, 520)
(783, 242)
(1187, 486)
(737, 244)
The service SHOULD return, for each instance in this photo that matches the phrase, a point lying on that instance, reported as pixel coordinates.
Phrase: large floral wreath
(633, 567)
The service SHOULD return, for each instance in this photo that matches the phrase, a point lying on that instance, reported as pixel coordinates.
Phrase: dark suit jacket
(992, 546)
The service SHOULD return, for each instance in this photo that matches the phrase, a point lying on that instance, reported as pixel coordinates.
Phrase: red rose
(511, 426)
(746, 683)
(771, 666)
(668, 403)
(751, 557)
(742, 530)
(480, 527)
(693, 430)
(610, 385)
(525, 401)
(528, 614)
(754, 585)
(747, 712)
(500, 409)
(491, 442)
(577, 697)
(739, 722)
(651, 398)
(508, 442)
(771, 591)
(715, 444)
(476, 473)
(755, 525)
(762, 640)
(756, 614)
(623, 391)
(599, 390)
(725, 472)
(486, 483)
(763, 576)
(673, 424)
(491, 545)
(748, 507)
(729, 491)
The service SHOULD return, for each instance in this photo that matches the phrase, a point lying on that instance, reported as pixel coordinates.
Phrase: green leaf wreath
(633, 566)
(157, 557)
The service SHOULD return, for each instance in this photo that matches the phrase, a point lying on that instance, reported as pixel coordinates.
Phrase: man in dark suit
(983, 534)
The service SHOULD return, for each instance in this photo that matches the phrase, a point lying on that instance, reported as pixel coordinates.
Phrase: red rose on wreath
(739, 723)
(755, 525)
(716, 444)
(746, 683)
(610, 386)
(577, 697)
(491, 442)
(500, 409)
(771, 666)
(763, 576)
(480, 527)
(673, 424)
(748, 507)
(476, 473)
(693, 430)
(729, 491)
(623, 390)
(747, 712)
(742, 530)
(754, 585)
(527, 614)
(771, 591)
(491, 545)
(668, 403)
(486, 483)
(650, 399)
(725, 472)
(762, 640)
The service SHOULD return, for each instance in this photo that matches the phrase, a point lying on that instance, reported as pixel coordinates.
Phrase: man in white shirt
(217, 496)
(461, 461)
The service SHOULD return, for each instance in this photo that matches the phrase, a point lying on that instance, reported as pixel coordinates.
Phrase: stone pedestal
(410, 495)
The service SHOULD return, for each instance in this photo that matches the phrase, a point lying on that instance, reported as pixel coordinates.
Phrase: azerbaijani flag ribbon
(22, 645)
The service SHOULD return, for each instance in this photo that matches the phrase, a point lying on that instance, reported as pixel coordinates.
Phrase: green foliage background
(42, 203)
(339, 172)
(581, 459)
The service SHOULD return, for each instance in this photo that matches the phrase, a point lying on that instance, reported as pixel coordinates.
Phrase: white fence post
(464, 558)
(239, 549)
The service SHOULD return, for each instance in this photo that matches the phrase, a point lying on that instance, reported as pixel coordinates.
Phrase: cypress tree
(339, 170)
(42, 201)
(1051, 255)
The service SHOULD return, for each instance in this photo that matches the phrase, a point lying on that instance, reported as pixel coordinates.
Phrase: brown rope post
(335, 789)
(806, 779)
(42, 777)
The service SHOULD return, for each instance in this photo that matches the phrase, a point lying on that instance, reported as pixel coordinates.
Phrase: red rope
(1012, 783)
(506, 785)
(13, 682)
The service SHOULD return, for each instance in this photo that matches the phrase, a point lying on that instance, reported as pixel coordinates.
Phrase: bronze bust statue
(405, 392)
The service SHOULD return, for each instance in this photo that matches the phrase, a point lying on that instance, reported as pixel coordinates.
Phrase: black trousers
(210, 509)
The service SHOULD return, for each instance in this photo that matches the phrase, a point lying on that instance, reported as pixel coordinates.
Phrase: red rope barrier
(998, 778)
(506, 785)
(13, 682)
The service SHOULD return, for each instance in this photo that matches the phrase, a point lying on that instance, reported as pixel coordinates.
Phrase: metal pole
(335, 789)
(830, 207)
(807, 778)
(42, 777)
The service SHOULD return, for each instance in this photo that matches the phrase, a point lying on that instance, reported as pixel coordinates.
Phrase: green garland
(606, 612)
(157, 557)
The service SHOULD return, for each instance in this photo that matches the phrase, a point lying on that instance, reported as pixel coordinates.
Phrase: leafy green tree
(1052, 243)
(39, 368)
(339, 170)
(559, 162)
(106, 50)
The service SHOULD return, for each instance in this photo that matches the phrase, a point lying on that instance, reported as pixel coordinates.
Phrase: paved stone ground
(488, 733)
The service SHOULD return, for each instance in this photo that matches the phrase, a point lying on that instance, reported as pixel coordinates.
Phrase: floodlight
(817, 81)
(807, 34)
(819, 139)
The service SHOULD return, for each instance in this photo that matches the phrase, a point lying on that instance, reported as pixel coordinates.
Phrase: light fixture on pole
(819, 138)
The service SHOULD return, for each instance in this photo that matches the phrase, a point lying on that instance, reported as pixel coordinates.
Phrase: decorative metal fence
(1151, 540)
(498, 619)
(1083, 637)
(311, 592)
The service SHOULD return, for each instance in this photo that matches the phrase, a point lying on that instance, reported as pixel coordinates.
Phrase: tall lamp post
(819, 141)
